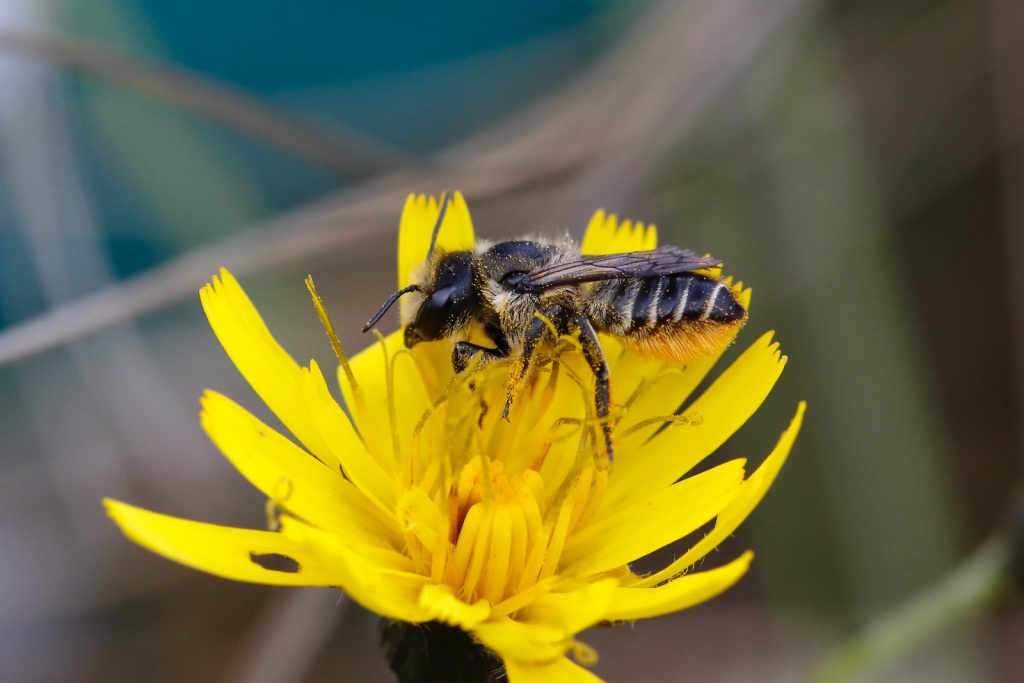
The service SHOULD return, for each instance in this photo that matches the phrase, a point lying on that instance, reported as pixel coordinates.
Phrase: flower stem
(977, 584)
(437, 653)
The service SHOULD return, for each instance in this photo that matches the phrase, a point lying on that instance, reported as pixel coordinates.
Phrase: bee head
(446, 302)
(445, 296)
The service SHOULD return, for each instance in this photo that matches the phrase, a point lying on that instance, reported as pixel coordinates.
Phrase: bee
(665, 303)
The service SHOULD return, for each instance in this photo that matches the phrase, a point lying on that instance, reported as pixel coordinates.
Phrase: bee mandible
(664, 303)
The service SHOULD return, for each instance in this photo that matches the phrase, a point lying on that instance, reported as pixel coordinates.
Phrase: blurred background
(859, 163)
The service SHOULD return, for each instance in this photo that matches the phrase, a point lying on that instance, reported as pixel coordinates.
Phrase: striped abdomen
(676, 317)
(634, 305)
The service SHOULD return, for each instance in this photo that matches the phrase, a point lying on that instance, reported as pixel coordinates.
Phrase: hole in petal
(276, 562)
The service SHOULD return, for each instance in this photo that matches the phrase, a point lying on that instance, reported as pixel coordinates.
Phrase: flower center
(490, 503)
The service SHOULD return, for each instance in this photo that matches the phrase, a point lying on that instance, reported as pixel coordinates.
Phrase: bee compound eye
(442, 299)
(435, 313)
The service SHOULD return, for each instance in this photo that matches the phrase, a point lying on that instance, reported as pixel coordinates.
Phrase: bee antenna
(445, 199)
(387, 304)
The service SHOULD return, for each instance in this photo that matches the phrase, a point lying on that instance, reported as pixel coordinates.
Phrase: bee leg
(602, 392)
(464, 352)
(538, 328)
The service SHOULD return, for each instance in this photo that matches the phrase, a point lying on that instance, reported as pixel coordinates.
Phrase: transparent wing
(666, 260)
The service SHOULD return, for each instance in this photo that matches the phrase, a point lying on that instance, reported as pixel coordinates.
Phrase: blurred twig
(288, 239)
(967, 591)
(346, 152)
(586, 125)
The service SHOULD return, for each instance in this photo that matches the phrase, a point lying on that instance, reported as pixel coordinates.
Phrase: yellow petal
(731, 517)
(660, 396)
(514, 639)
(678, 594)
(631, 532)
(417, 224)
(561, 670)
(426, 531)
(435, 364)
(443, 606)
(390, 593)
(265, 365)
(715, 416)
(345, 446)
(605, 236)
(534, 425)
(374, 407)
(293, 479)
(571, 611)
(239, 554)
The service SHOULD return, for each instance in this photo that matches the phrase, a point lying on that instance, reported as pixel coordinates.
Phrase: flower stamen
(689, 420)
(325, 320)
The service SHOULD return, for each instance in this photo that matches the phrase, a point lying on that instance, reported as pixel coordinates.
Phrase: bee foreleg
(602, 391)
(464, 352)
(538, 328)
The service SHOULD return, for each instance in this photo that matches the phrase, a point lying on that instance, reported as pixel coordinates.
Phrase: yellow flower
(423, 505)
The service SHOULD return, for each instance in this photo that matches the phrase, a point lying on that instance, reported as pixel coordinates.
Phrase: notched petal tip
(111, 506)
(772, 346)
(753, 490)
(606, 235)
(651, 237)
(416, 227)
